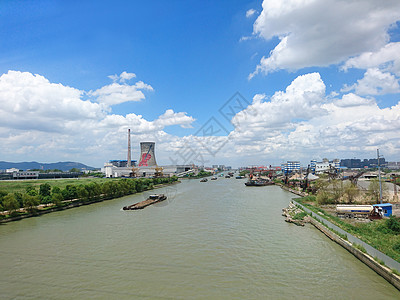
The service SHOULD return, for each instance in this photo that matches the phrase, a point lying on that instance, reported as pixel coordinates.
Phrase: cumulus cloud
(320, 33)
(116, 93)
(375, 82)
(302, 99)
(302, 123)
(386, 58)
(46, 121)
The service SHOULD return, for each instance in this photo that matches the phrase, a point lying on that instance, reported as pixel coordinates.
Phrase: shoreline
(73, 204)
(365, 258)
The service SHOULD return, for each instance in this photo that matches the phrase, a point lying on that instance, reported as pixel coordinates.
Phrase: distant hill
(62, 165)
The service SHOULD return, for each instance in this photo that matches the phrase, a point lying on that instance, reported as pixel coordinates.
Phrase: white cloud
(301, 100)
(302, 123)
(116, 93)
(48, 122)
(322, 32)
(386, 58)
(123, 77)
(250, 13)
(375, 82)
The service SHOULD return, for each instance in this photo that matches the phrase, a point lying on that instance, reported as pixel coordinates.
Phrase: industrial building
(147, 166)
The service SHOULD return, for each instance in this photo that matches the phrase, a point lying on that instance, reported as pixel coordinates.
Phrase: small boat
(239, 177)
(149, 201)
(258, 182)
(227, 176)
(213, 178)
(204, 180)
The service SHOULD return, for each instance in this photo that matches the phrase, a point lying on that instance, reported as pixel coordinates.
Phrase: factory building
(147, 166)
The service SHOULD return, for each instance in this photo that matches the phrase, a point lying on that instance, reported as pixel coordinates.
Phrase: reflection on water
(213, 240)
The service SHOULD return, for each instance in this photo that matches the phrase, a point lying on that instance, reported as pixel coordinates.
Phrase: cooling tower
(147, 156)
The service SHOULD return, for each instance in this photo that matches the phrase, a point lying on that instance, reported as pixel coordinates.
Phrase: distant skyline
(211, 82)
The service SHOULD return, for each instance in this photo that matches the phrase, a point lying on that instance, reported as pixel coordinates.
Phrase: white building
(325, 165)
(112, 171)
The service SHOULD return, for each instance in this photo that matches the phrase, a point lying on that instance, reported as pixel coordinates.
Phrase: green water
(213, 240)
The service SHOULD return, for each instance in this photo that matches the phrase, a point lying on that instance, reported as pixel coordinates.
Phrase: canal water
(212, 240)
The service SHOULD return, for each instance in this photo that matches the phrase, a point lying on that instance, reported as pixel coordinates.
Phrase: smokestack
(129, 163)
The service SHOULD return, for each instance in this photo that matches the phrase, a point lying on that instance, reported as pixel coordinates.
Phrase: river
(212, 240)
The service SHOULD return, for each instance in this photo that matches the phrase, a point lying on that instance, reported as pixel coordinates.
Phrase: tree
(83, 194)
(30, 190)
(44, 190)
(337, 189)
(10, 203)
(351, 191)
(75, 170)
(374, 190)
(57, 199)
(30, 202)
(56, 190)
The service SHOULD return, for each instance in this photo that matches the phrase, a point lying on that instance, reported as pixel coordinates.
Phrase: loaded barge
(149, 201)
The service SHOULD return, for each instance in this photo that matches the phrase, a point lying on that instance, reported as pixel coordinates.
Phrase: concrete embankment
(367, 259)
(364, 257)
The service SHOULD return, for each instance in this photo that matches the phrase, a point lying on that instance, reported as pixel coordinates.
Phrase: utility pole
(380, 182)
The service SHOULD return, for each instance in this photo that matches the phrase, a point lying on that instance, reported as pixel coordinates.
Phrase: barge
(149, 201)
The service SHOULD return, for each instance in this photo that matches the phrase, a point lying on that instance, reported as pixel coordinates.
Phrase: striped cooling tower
(147, 154)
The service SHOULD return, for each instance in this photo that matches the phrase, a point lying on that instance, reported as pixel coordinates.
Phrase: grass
(374, 233)
(359, 247)
(13, 186)
(300, 216)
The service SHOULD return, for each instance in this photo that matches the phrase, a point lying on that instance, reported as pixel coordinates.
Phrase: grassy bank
(383, 235)
(34, 197)
(20, 186)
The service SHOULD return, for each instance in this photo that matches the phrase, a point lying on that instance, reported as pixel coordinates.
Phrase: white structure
(325, 165)
(112, 171)
(12, 170)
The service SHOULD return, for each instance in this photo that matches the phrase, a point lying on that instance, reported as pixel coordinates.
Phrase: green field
(12, 186)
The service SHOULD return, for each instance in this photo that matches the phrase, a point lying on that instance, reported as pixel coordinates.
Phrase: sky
(211, 82)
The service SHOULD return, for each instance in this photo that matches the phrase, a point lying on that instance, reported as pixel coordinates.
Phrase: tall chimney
(129, 163)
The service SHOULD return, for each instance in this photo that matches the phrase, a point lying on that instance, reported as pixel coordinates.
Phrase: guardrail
(389, 262)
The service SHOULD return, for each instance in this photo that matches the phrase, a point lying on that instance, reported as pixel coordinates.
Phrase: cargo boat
(149, 201)
(258, 182)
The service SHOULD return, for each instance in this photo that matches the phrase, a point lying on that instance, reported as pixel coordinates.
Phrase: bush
(393, 224)
(396, 247)
(300, 216)
(323, 197)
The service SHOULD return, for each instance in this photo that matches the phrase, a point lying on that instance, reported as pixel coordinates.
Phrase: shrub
(393, 224)
(396, 247)
(299, 216)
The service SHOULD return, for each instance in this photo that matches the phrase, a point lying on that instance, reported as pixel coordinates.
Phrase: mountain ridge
(62, 165)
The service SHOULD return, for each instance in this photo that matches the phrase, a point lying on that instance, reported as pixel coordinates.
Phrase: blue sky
(319, 79)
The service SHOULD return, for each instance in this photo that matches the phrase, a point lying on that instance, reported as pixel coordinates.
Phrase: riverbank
(382, 270)
(68, 204)
(375, 263)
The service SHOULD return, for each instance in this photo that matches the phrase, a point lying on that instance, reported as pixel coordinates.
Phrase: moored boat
(258, 182)
(204, 180)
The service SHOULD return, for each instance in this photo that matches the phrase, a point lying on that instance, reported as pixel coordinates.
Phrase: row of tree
(46, 194)
(335, 191)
